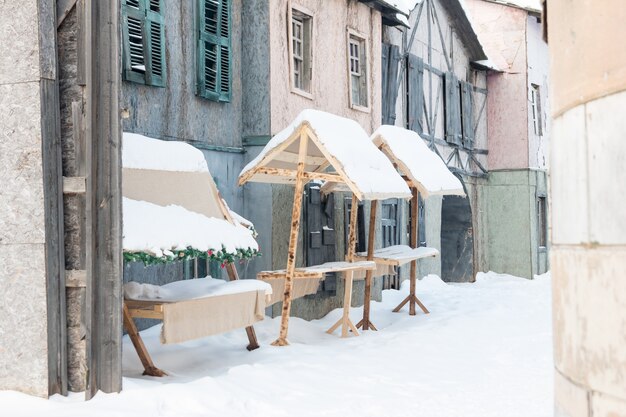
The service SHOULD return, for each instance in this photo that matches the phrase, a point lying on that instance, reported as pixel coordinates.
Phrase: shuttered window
(453, 109)
(467, 114)
(415, 84)
(214, 50)
(357, 70)
(143, 32)
(390, 60)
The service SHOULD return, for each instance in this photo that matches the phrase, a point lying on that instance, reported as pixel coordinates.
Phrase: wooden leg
(414, 299)
(233, 275)
(371, 239)
(345, 322)
(142, 352)
(399, 307)
(412, 287)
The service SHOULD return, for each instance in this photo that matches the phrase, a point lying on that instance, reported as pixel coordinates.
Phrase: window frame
(307, 45)
(355, 37)
(542, 221)
(220, 42)
(535, 109)
(147, 18)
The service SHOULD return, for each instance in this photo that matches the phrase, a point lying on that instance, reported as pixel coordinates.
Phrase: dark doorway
(391, 236)
(457, 240)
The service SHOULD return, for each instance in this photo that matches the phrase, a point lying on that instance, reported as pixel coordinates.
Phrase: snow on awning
(335, 142)
(159, 230)
(171, 202)
(425, 169)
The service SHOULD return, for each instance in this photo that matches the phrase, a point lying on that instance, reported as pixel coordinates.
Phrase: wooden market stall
(426, 174)
(322, 146)
(173, 210)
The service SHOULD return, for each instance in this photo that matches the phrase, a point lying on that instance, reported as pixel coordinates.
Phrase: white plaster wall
(23, 323)
(330, 88)
(538, 74)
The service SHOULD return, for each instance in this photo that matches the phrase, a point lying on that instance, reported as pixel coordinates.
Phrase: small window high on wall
(301, 50)
(214, 50)
(535, 106)
(143, 36)
(357, 69)
(542, 221)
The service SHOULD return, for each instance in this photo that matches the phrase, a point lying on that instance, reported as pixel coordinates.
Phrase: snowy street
(485, 350)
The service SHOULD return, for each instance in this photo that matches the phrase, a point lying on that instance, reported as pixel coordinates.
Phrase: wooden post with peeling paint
(293, 240)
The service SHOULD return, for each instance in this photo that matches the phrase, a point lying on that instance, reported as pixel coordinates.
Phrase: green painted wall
(509, 217)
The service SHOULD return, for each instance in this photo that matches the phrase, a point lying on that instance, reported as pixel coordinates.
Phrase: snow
(142, 152)
(532, 5)
(405, 6)
(154, 229)
(192, 288)
(424, 166)
(483, 351)
(369, 170)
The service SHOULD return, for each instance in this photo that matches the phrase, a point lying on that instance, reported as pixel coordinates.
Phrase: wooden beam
(104, 300)
(74, 185)
(142, 352)
(371, 243)
(75, 278)
(293, 240)
(290, 173)
(64, 7)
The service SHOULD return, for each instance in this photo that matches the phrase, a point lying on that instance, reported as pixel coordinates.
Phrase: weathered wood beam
(293, 158)
(290, 173)
(74, 185)
(64, 7)
(75, 278)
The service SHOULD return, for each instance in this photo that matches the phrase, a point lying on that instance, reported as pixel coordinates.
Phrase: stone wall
(588, 253)
(24, 324)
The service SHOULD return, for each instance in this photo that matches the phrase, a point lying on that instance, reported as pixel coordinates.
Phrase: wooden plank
(74, 185)
(293, 158)
(75, 278)
(104, 301)
(54, 230)
(291, 174)
(64, 7)
(81, 41)
(293, 240)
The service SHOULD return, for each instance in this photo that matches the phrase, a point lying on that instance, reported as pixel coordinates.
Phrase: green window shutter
(214, 50)
(452, 109)
(155, 35)
(416, 93)
(143, 33)
(133, 34)
(467, 113)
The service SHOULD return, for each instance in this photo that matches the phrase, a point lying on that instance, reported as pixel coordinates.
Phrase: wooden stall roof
(339, 151)
(423, 168)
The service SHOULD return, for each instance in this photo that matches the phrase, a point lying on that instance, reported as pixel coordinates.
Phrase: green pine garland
(222, 256)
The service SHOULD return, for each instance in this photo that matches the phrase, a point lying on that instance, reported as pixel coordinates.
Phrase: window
(357, 67)
(542, 221)
(535, 106)
(143, 33)
(214, 50)
(300, 32)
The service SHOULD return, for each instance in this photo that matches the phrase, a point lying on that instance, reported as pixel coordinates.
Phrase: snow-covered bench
(173, 210)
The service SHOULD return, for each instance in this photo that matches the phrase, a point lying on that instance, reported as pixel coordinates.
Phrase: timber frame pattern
(427, 87)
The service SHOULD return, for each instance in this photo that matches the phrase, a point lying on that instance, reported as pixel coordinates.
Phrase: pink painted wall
(330, 84)
(502, 31)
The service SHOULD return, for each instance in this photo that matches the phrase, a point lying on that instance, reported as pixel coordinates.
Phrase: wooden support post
(344, 321)
(371, 241)
(142, 352)
(253, 341)
(293, 240)
(412, 298)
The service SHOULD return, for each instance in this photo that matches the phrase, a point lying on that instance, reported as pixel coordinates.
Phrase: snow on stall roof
(191, 289)
(142, 152)
(368, 168)
(155, 229)
(423, 165)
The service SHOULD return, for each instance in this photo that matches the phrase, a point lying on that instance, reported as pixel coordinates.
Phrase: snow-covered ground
(485, 350)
